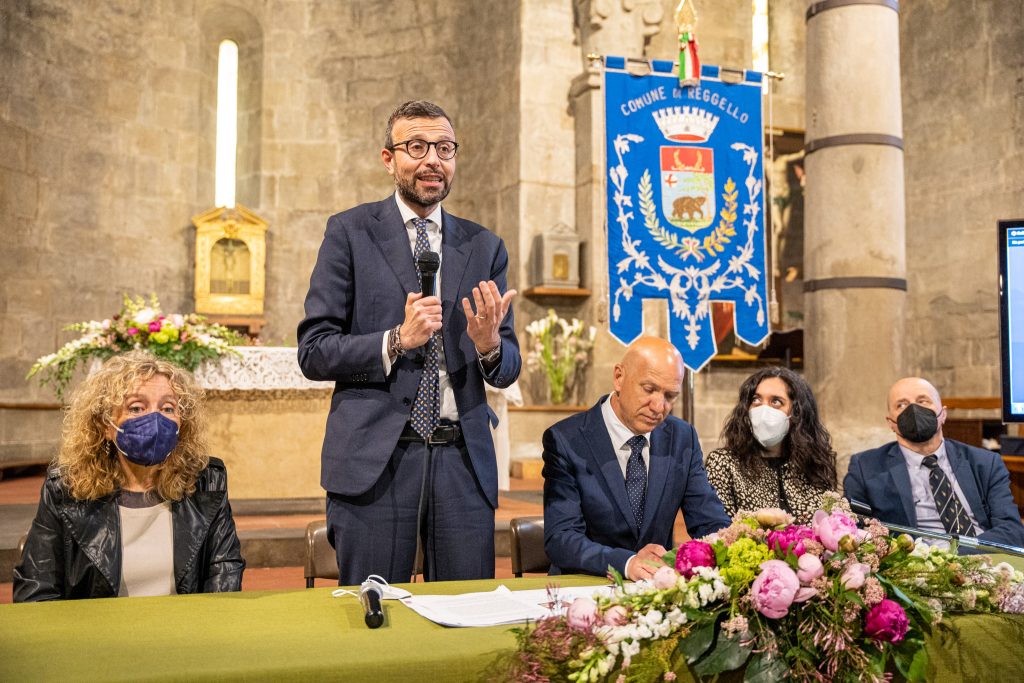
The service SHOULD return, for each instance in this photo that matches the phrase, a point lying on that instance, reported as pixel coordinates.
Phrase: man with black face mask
(929, 482)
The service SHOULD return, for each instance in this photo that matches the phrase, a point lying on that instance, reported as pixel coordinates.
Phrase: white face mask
(770, 425)
(388, 592)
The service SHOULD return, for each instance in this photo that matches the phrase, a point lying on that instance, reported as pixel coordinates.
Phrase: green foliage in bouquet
(183, 339)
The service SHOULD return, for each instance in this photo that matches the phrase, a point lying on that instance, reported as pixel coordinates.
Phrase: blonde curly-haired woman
(132, 505)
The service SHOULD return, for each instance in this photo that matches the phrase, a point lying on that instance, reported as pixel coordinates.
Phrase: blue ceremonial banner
(685, 203)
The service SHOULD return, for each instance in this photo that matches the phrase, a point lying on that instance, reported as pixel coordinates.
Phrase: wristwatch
(491, 356)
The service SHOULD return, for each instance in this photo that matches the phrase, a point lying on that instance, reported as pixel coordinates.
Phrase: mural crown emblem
(685, 124)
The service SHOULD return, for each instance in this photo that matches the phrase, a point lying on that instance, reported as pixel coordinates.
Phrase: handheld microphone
(370, 595)
(428, 263)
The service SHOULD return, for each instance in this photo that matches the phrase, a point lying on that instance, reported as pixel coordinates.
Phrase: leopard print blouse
(772, 485)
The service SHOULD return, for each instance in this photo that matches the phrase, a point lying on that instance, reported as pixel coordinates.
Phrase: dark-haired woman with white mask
(775, 453)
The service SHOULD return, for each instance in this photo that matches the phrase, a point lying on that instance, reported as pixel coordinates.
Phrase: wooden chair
(528, 545)
(321, 562)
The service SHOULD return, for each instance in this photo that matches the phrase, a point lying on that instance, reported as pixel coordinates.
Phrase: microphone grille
(428, 262)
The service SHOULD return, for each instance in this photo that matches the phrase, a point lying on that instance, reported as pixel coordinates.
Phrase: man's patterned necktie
(636, 478)
(951, 511)
(426, 410)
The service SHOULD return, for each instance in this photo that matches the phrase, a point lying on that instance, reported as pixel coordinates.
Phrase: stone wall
(963, 119)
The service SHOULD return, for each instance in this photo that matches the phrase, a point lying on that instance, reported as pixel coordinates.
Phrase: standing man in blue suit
(410, 368)
(929, 482)
(616, 475)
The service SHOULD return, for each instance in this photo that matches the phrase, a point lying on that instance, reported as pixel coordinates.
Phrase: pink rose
(155, 326)
(854, 575)
(790, 540)
(805, 593)
(886, 622)
(132, 331)
(774, 589)
(582, 614)
(810, 568)
(829, 528)
(694, 554)
(665, 577)
(616, 615)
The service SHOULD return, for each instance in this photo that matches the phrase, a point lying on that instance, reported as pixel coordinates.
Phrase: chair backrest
(321, 562)
(528, 545)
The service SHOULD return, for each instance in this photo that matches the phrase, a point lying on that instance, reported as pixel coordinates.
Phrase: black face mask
(917, 424)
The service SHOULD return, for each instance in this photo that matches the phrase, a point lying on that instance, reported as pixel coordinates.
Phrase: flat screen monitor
(1011, 313)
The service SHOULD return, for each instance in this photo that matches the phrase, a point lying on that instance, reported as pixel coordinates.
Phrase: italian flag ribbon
(689, 61)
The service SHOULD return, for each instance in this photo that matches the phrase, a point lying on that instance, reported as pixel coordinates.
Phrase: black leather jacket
(73, 549)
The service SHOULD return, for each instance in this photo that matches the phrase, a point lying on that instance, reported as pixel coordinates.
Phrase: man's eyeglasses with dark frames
(418, 149)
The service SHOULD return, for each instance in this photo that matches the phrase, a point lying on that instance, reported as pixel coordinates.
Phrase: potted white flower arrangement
(561, 350)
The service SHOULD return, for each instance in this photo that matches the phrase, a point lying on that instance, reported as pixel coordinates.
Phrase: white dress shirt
(449, 411)
(924, 500)
(620, 435)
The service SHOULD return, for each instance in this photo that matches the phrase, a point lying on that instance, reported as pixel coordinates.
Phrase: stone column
(604, 27)
(854, 251)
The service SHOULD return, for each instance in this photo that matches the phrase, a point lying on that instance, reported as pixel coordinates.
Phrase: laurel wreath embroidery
(688, 246)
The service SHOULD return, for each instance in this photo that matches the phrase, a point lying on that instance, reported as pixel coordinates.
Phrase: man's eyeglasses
(418, 149)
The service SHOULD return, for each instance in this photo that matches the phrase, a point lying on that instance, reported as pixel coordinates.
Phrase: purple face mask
(147, 440)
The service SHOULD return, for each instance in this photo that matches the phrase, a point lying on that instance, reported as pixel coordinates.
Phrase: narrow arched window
(227, 123)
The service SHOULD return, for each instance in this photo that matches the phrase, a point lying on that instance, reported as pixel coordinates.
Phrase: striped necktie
(951, 510)
(636, 478)
(426, 409)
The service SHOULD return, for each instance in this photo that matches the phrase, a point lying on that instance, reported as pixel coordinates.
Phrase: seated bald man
(615, 476)
(924, 480)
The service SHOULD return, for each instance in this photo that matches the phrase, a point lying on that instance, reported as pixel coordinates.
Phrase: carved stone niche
(231, 259)
(556, 258)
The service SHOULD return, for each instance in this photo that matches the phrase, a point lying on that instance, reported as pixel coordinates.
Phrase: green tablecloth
(310, 635)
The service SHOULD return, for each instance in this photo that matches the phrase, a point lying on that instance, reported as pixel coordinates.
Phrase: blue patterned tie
(636, 478)
(426, 410)
(951, 510)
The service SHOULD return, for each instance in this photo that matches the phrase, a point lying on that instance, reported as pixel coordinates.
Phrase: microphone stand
(864, 510)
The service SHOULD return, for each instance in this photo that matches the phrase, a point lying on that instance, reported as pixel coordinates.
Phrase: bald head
(653, 351)
(912, 390)
(647, 382)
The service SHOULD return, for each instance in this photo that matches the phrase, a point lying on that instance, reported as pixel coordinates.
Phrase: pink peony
(694, 554)
(854, 574)
(616, 615)
(804, 594)
(665, 577)
(809, 568)
(155, 326)
(132, 331)
(582, 613)
(886, 622)
(829, 528)
(774, 589)
(791, 539)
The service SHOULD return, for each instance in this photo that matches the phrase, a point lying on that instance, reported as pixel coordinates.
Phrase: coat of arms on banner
(685, 204)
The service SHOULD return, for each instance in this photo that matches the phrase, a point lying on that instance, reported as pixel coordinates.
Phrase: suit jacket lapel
(598, 446)
(455, 254)
(961, 465)
(392, 239)
(659, 458)
(901, 482)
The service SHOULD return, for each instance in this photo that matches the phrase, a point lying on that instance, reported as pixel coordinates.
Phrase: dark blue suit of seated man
(927, 481)
(616, 475)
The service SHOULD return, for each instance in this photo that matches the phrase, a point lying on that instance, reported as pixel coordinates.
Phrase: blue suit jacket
(588, 523)
(357, 291)
(879, 477)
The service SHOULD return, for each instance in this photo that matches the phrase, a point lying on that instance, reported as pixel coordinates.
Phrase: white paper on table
(492, 608)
